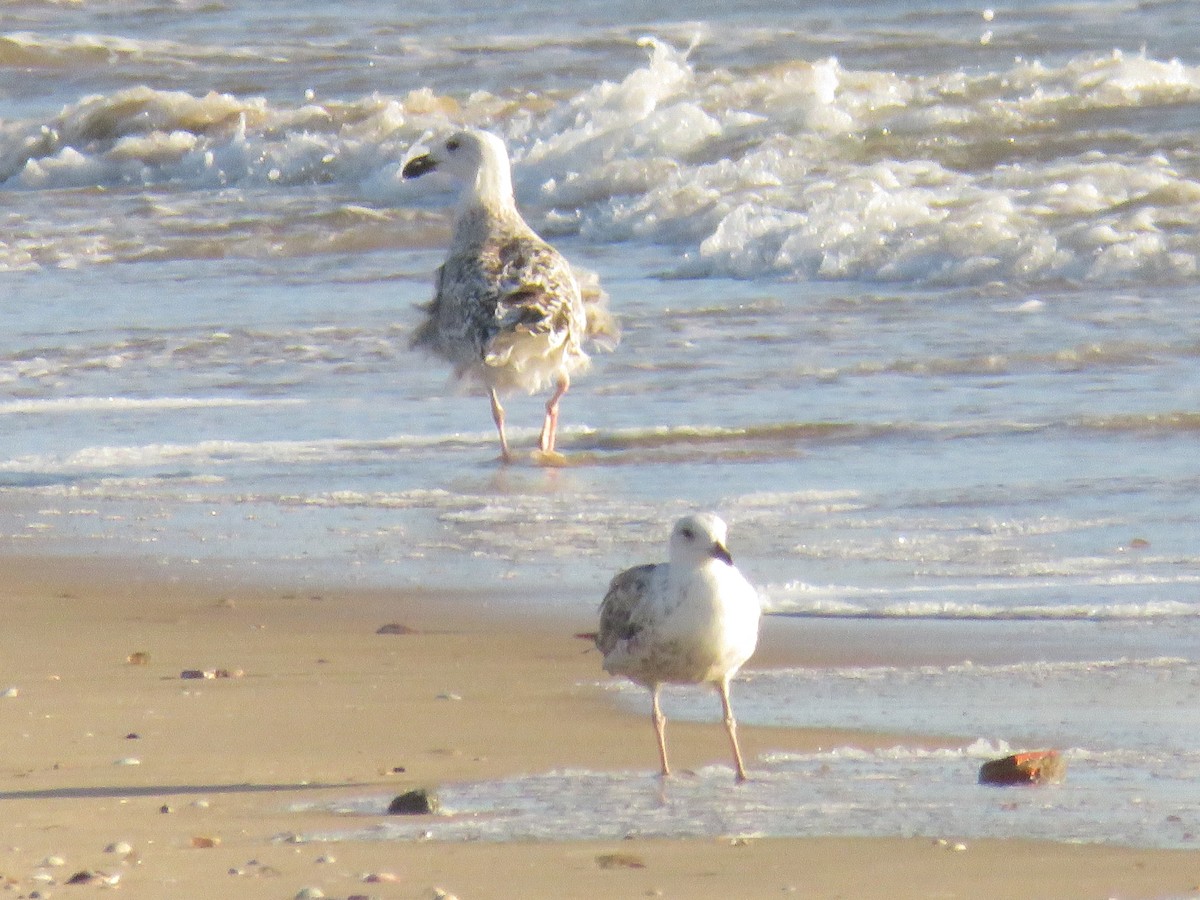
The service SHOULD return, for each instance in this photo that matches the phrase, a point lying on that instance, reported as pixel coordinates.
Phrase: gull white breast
(692, 620)
(507, 312)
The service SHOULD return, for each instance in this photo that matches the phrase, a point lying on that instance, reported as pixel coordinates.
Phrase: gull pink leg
(498, 418)
(550, 427)
(731, 727)
(660, 729)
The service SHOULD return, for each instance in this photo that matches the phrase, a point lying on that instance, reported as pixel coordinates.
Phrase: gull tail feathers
(602, 328)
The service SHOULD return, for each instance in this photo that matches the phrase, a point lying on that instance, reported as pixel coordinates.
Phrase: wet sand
(99, 752)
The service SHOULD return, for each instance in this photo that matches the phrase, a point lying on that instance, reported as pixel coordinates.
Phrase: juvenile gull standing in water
(507, 311)
(693, 620)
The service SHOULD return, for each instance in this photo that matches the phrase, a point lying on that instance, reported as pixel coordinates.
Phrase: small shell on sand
(201, 842)
(620, 861)
(309, 893)
(88, 876)
(10, 692)
(381, 878)
(128, 761)
(395, 628)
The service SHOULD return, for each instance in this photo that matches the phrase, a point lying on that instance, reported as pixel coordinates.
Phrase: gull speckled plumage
(507, 312)
(692, 620)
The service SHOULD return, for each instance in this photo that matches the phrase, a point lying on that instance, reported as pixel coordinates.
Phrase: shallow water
(907, 294)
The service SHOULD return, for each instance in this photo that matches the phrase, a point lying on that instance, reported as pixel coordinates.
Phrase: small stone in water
(310, 893)
(128, 761)
(53, 862)
(418, 802)
(1033, 767)
(205, 843)
(122, 847)
(139, 658)
(10, 692)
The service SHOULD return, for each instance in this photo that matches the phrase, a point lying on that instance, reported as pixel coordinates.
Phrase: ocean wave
(1028, 174)
(999, 611)
(113, 460)
(90, 405)
(31, 50)
(1169, 422)
(585, 446)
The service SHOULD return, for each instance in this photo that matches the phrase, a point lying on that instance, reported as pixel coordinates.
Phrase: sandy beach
(190, 788)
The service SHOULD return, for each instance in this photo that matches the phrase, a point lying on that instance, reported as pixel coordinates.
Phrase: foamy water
(907, 294)
(1132, 766)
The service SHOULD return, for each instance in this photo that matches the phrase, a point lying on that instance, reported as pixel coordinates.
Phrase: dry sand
(324, 708)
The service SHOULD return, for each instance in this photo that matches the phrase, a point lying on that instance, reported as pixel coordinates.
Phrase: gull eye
(452, 144)
(687, 533)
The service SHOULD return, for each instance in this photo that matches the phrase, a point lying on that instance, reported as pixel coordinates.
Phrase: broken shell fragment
(211, 673)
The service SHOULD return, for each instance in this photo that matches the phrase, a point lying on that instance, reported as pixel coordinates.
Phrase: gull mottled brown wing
(535, 289)
(512, 286)
(622, 612)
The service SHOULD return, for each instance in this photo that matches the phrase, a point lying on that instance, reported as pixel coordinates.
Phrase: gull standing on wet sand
(693, 620)
(507, 311)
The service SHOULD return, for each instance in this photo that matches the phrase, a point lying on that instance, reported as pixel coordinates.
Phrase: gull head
(477, 158)
(698, 538)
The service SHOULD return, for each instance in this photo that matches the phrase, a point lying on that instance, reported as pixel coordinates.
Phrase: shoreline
(320, 706)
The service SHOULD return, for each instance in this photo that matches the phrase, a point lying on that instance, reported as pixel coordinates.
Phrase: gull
(507, 311)
(693, 620)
